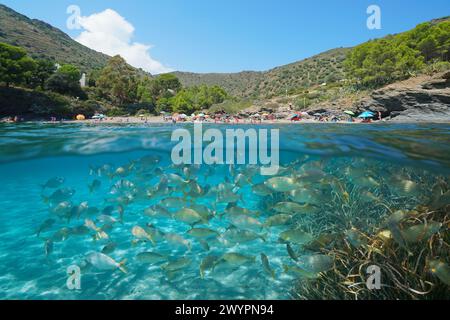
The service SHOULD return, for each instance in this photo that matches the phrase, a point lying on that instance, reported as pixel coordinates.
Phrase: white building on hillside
(83, 80)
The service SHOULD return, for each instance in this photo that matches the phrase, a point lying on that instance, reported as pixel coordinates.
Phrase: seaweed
(405, 273)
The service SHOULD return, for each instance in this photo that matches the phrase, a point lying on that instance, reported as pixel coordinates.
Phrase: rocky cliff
(424, 98)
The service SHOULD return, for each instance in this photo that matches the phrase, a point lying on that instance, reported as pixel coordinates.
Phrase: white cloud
(110, 33)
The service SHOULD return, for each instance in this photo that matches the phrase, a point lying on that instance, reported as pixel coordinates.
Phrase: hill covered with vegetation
(367, 66)
(324, 67)
(398, 57)
(43, 41)
(42, 88)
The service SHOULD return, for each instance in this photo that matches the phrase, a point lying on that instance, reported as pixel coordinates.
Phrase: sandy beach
(159, 120)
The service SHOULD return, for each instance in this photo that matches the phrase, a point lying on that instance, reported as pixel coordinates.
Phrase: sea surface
(70, 191)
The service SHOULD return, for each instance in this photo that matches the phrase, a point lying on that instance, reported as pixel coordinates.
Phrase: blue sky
(236, 35)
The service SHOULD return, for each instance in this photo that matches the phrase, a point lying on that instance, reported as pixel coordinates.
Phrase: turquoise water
(345, 155)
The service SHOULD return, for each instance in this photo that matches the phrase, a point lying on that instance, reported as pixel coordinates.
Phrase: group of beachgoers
(224, 118)
(236, 119)
(270, 118)
(347, 118)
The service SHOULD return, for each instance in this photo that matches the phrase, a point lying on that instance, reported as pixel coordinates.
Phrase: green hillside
(324, 67)
(41, 40)
(239, 84)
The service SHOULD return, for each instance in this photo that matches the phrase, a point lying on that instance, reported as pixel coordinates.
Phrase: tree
(118, 81)
(184, 102)
(189, 100)
(428, 48)
(66, 80)
(218, 95)
(168, 82)
(15, 65)
(146, 90)
(93, 77)
(382, 61)
(164, 105)
(43, 71)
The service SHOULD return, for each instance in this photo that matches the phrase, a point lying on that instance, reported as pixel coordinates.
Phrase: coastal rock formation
(422, 98)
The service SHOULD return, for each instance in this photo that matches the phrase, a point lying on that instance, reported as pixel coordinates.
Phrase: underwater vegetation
(311, 230)
(411, 249)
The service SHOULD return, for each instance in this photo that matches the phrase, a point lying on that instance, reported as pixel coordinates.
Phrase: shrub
(116, 112)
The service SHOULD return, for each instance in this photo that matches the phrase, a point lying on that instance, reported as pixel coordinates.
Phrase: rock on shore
(422, 98)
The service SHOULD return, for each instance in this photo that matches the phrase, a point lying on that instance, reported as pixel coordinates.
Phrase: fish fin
(264, 237)
(230, 227)
(122, 266)
(204, 245)
(45, 199)
(241, 197)
(121, 210)
(216, 263)
(170, 275)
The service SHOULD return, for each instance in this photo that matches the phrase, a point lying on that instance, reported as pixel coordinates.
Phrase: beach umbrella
(304, 114)
(317, 114)
(366, 114)
(350, 113)
(201, 115)
(182, 116)
(294, 116)
(81, 117)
